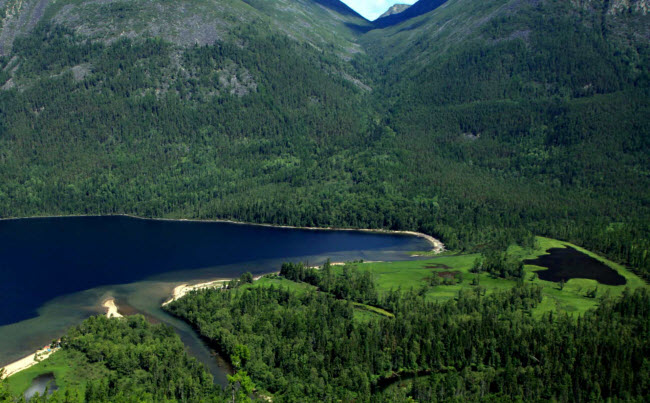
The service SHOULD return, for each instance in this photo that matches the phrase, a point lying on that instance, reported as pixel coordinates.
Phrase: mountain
(395, 9)
(477, 122)
(417, 9)
(527, 94)
(185, 22)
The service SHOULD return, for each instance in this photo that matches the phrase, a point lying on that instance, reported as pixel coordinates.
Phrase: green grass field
(416, 274)
(572, 298)
(281, 282)
(70, 368)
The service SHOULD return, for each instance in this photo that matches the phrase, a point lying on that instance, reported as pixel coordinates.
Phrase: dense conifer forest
(309, 346)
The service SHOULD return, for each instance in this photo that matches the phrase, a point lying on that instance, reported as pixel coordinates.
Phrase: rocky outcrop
(18, 17)
(625, 6)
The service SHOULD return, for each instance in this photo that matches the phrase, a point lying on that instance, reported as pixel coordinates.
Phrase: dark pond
(39, 384)
(567, 263)
(54, 272)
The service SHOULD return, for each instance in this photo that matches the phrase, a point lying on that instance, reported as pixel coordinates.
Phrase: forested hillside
(524, 114)
(308, 345)
(476, 122)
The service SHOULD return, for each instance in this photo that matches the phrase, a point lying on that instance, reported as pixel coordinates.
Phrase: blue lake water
(54, 272)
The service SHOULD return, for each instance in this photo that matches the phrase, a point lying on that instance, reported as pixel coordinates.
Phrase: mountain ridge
(184, 23)
(419, 8)
(395, 9)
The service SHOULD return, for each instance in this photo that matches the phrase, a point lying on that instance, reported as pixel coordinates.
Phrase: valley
(513, 133)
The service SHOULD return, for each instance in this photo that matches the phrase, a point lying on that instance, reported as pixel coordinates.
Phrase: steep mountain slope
(319, 22)
(427, 34)
(536, 111)
(115, 121)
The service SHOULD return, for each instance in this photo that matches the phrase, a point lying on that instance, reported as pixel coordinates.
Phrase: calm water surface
(566, 263)
(40, 384)
(54, 272)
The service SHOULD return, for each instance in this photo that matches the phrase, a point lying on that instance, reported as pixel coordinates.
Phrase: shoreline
(436, 245)
(182, 290)
(44, 353)
(112, 310)
(27, 362)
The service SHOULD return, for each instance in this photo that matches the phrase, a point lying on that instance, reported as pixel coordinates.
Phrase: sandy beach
(27, 362)
(111, 309)
(184, 289)
(40, 355)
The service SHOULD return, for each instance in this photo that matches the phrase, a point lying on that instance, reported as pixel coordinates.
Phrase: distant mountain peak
(417, 9)
(395, 9)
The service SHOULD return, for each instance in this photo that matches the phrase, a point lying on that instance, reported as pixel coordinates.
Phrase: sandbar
(111, 309)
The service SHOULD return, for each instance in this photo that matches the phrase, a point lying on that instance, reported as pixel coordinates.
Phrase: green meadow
(572, 297)
(70, 368)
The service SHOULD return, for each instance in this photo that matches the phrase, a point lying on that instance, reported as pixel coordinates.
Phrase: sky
(371, 9)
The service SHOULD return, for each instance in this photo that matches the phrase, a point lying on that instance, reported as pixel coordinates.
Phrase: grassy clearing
(372, 309)
(571, 299)
(70, 368)
(364, 316)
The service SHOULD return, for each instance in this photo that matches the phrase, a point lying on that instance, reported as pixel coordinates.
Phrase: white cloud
(371, 9)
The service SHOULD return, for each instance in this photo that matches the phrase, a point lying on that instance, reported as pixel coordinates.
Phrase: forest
(134, 360)
(308, 345)
(292, 342)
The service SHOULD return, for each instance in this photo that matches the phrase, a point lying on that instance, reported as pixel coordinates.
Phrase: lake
(54, 272)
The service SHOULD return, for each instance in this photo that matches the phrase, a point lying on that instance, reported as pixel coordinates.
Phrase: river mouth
(55, 272)
(566, 263)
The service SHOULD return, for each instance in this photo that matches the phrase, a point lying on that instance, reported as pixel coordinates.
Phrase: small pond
(39, 384)
(567, 263)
